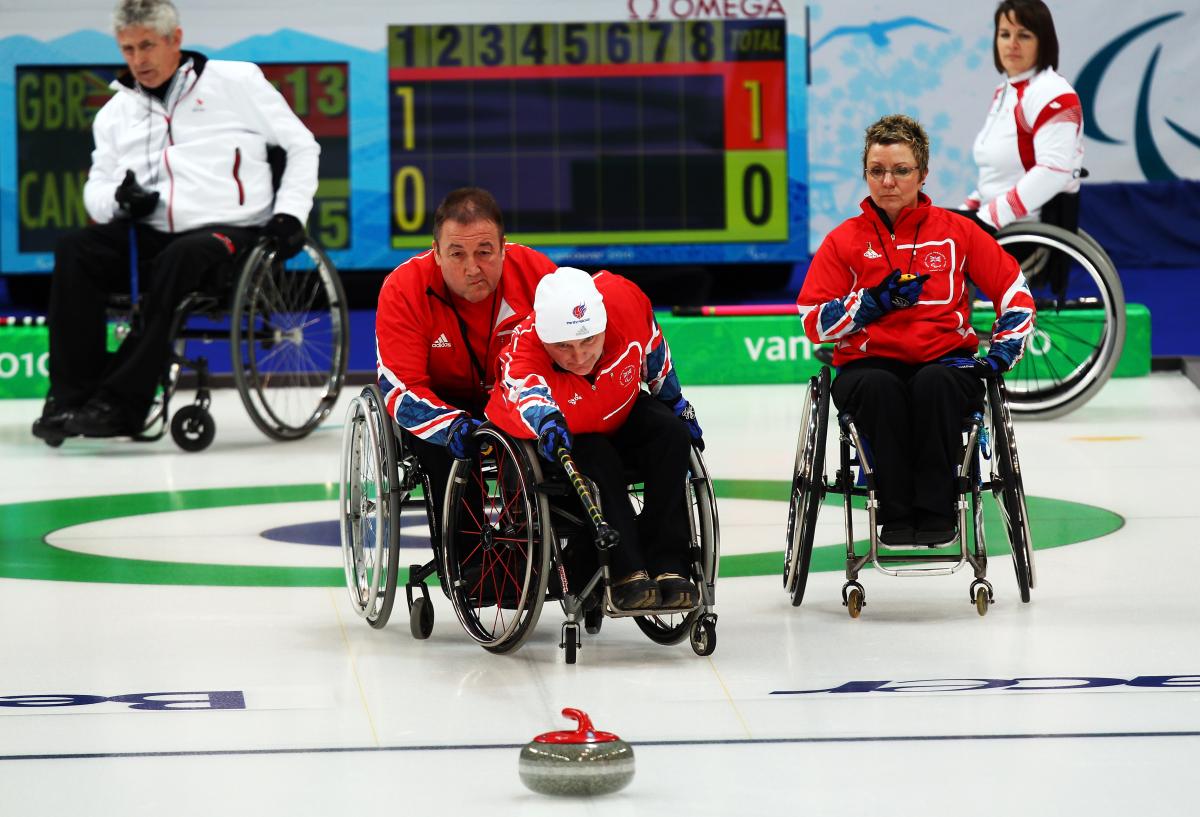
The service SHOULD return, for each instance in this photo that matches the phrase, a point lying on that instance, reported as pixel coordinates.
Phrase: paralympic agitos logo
(1087, 86)
(1049, 683)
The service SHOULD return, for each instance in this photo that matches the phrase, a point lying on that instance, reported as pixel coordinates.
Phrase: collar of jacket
(198, 63)
(1024, 76)
(909, 215)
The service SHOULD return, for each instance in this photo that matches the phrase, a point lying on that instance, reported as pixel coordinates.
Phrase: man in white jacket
(180, 163)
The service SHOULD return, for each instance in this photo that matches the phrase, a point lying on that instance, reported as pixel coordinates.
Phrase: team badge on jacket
(870, 253)
(935, 261)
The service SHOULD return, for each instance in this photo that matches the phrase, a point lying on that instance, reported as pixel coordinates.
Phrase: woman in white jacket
(1031, 146)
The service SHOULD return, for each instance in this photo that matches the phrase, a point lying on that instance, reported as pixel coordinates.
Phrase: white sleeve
(271, 116)
(1053, 149)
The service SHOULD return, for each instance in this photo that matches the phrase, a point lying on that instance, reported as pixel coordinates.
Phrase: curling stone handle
(584, 722)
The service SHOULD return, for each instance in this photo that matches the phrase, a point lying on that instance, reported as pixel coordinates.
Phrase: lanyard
(480, 371)
(887, 256)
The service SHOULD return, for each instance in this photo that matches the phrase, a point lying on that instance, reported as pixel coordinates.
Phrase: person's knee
(935, 386)
(870, 392)
(73, 253)
(595, 452)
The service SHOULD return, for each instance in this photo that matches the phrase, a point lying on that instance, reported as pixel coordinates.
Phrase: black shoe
(637, 591)
(897, 533)
(676, 591)
(100, 418)
(935, 529)
(51, 426)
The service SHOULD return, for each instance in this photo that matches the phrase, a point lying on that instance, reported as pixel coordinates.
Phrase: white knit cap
(567, 306)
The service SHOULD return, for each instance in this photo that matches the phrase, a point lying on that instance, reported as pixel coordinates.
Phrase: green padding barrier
(773, 349)
(707, 351)
(25, 359)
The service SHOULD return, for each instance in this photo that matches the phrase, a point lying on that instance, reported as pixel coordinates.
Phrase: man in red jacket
(443, 318)
(572, 376)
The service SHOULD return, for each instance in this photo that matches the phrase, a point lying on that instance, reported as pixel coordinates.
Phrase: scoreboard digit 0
(646, 132)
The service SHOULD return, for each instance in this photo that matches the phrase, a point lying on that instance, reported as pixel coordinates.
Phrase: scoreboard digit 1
(649, 132)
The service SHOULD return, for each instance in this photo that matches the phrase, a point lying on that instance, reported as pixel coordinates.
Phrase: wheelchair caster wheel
(570, 641)
(420, 618)
(704, 635)
(854, 597)
(192, 428)
(981, 601)
(981, 594)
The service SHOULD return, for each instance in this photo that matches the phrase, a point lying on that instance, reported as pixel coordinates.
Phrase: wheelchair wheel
(496, 541)
(370, 508)
(193, 428)
(1080, 319)
(808, 486)
(1009, 489)
(706, 542)
(289, 340)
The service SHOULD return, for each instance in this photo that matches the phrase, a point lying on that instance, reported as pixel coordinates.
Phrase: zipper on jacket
(237, 163)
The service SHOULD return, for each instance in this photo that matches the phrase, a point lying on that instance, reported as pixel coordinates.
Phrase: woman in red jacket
(890, 288)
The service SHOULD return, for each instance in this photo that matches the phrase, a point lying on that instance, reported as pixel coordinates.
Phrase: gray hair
(158, 15)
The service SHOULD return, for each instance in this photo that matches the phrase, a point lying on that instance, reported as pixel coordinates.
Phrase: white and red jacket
(1030, 148)
(635, 352)
(925, 240)
(428, 368)
(203, 148)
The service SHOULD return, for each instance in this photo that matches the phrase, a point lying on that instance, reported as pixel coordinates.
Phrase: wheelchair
(1080, 312)
(510, 538)
(287, 324)
(989, 462)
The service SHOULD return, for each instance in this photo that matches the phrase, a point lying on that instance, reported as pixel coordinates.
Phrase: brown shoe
(676, 591)
(637, 591)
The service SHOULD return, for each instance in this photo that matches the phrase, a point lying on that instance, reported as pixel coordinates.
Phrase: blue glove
(897, 291)
(460, 445)
(686, 412)
(989, 366)
(552, 434)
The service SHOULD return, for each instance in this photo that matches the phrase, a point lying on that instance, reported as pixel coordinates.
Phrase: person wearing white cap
(590, 370)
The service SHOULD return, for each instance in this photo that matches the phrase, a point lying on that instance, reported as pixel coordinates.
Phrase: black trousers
(435, 463)
(912, 417)
(93, 263)
(653, 445)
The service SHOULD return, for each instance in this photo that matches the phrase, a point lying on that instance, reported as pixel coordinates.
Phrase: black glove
(287, 234)
(552, 434)
(896, 292)
(989, 366)
(133, 200)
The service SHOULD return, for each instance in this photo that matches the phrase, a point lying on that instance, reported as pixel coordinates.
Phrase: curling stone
(579, 762)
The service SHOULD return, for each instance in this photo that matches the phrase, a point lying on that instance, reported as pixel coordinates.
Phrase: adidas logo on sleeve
(441, 343)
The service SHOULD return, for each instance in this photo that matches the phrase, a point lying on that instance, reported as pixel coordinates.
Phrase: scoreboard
(612, 133)
(56, 105)
(615, 142)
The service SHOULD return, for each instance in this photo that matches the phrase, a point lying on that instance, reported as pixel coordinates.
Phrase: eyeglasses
(898, 173)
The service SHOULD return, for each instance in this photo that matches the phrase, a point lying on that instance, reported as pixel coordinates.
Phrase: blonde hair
(898, 129)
